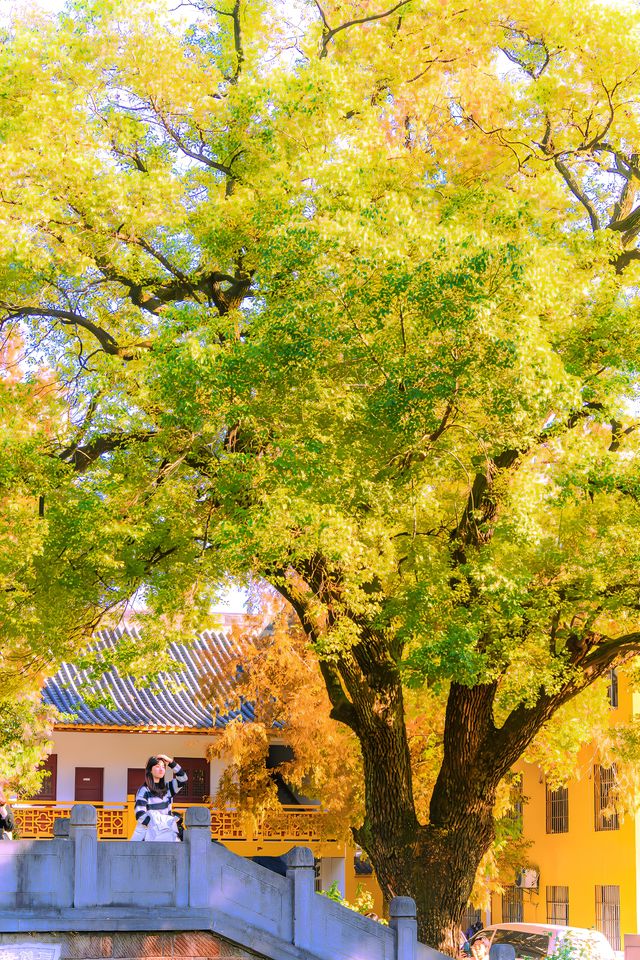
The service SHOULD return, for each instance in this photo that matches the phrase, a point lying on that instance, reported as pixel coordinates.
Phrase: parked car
(536, 941)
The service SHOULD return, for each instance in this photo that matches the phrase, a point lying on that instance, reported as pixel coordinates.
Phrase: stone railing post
(61, 828)
(299, 862)
(402, 919)
(197, 837)
(83, 831)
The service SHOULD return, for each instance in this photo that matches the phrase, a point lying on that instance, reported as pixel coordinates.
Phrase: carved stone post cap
(298, 857)
(61, 827)
(404, 907)
(197, 817)
(83, 815)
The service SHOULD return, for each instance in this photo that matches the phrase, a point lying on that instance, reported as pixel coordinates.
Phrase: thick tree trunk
(444, 876)
(438, 871)
(436, 864)
(461, 825)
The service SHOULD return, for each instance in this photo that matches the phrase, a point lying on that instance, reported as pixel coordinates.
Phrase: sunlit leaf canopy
(299, 277)
(342, 296)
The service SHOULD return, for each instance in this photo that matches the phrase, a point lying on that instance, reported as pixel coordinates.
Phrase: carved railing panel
(36, 823)
(116, 822)
(297, 825)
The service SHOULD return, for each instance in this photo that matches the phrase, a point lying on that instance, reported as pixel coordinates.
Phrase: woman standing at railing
(154, 800)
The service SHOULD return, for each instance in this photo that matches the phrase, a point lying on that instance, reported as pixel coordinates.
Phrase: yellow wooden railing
(116, 821)
(34, 819)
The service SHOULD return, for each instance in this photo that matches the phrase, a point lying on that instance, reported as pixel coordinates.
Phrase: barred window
(604, 786)
(558, 905)
(512, 905)
(471, 917)
(558, 810)
(612, 689)
(608, 913)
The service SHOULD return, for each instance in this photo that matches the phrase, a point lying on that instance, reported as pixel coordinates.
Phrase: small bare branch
(188, 151)
(578, 192)
(329, 33)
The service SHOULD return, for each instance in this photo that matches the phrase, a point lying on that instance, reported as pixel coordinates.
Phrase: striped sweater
(147, 802)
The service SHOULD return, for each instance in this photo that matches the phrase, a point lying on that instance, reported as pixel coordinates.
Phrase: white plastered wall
(118, 751)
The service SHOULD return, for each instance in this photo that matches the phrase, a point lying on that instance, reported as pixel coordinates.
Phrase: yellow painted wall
(583, 857)
(354, 882)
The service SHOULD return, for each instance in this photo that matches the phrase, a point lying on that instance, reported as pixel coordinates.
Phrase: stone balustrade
(76, 883)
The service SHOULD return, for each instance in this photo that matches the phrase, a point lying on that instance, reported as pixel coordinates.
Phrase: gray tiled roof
(173, 701)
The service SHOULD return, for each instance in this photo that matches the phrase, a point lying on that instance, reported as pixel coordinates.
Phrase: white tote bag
(140, 831)
(163, 827)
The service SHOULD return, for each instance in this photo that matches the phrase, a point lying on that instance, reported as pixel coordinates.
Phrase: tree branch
(617, 432)
(603, 654)
(237, 36)
(592, 658)
(329, 33)
(81, 457)
(629, 225)
(481, 507)
(159, 294)
(578, 193)
(200, 156)
(237, 39)
(341, 707)
(535, 71)
(69, 318)
(622, 261)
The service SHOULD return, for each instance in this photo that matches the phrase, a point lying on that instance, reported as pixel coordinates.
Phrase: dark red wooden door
(135, 779)
(89, 783)
(197, 788)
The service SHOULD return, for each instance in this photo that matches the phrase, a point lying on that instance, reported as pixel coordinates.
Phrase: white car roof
(543, 928)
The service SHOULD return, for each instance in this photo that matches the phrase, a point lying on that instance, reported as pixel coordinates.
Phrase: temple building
(109, 726)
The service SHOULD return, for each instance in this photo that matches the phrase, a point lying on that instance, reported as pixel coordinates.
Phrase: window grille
(608, 913)
(512, 905)
(604, 786)
(612, 689)
(197, 786)
(558, 905)
(558, 810)
(470, 918)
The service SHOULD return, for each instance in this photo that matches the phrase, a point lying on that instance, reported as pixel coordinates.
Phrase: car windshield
(528, 946)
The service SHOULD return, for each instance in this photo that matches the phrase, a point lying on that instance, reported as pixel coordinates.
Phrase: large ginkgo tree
(341, 294)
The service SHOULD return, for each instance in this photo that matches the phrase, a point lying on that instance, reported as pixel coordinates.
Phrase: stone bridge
(86, 899)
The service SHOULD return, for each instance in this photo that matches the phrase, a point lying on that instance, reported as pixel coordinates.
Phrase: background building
(584, 856)
(100, 751)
